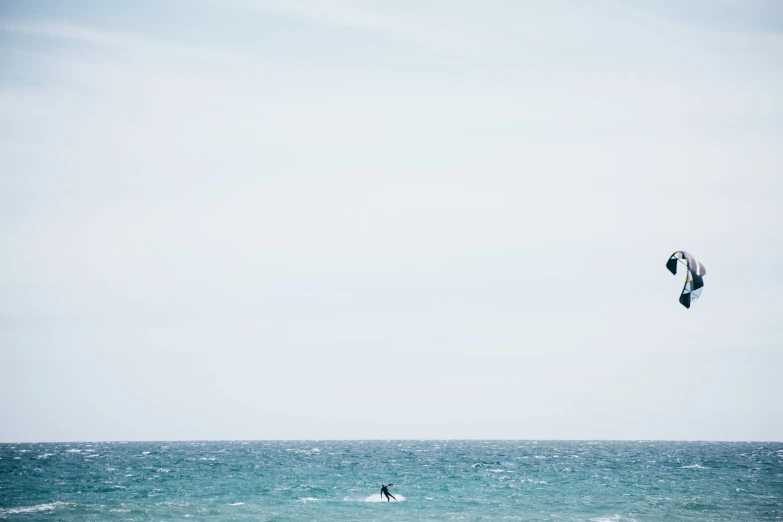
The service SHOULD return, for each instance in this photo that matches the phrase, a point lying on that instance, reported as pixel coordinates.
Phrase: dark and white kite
(694, 281)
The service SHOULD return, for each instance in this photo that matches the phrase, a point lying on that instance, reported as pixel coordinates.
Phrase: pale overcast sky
(314, 219)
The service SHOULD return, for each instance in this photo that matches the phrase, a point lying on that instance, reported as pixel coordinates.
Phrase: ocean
(433, 480)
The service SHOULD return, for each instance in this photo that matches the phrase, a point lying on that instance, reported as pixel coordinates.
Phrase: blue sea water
(433, 480)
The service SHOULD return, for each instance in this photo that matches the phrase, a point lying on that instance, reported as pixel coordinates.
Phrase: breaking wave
(32, 509)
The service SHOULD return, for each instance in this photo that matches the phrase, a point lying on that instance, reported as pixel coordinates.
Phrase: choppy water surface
(434, 480)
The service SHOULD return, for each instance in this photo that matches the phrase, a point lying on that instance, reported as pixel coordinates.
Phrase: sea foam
(32, 509)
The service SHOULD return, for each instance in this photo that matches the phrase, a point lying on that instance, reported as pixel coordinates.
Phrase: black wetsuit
(385, 491)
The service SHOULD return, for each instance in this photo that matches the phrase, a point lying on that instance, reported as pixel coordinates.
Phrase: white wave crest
(695, 466)
(237, 504)
(32, 509)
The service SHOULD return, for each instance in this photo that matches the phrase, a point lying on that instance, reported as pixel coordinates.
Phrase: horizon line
(125, 441)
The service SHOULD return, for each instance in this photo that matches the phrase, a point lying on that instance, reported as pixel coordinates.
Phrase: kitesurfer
(385, 491)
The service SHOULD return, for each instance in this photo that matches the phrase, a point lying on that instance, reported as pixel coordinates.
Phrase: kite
(694, 281)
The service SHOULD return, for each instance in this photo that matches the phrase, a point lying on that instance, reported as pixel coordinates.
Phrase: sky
(292, 219)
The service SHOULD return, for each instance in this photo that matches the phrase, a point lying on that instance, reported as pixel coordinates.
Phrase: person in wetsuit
(385, 491)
